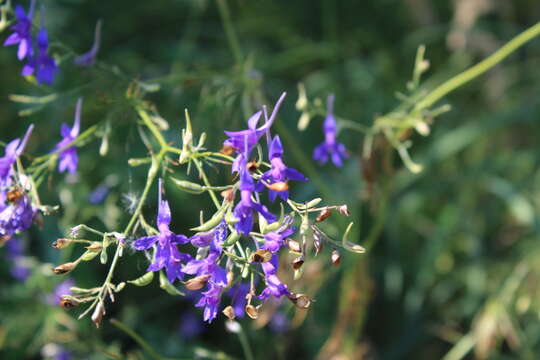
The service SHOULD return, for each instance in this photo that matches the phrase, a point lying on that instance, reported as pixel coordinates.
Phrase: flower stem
(229, 30)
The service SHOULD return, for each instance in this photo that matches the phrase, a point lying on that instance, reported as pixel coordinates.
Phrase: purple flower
(238, 294)
(330, 147)
(60, 290)
(68, 158)
(15, 252)
(99, 194)
(89, 58)
(210, 301)
(245, 208)
(41, 64)
(16, 216)
(167, 255)
(279, 171)
(22, 32)
(274, 286)
(13, 150)
(273, 241)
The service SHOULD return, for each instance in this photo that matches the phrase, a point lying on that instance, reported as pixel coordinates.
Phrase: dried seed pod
(252, 166)
(252, 311)
(64, 268)
(335, 257)
(97, 315)
(343, 210)
(301, 301)
(227, 150)
(279, 186)
(68, 302)
(324, 214)
(95, 246)
(229, 312)
(261, 256)
(61, 243)
(294, 245)
(228, 195)
(298, 262)
(197, 282)
(317, 243)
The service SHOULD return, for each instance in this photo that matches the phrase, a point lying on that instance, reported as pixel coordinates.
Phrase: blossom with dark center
(17, 269)
(330, 147)
(64, 288)
(22, 32)
(274, 286)
(13, 150)
(279, 173)
(41, 64)
(167, 255)
(68, 158)
(17, 215)
(245, 208)
(89, 58)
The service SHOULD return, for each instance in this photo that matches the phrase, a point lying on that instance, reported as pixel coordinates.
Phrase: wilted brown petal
(252, 311)
(229, 312)
(261, 256)
(279, 186)
(324, 214)
(197, 282)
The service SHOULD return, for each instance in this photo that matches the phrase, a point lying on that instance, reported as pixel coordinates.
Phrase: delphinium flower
(13, 150)
(89, 58)
(22, 32)
(330, 147)
(60, 290)
(41, 64)
(68, 158)
(17, 214)
(279, 173)
(167, 255)
(238, 294)
(15, 253)
(274, 240)
(207, 270)
(274, 286)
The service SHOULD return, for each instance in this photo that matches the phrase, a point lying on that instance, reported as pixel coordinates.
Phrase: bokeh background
(455, 268)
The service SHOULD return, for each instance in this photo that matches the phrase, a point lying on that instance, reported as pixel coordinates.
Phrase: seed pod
(298, 262)
(138, 161)
(324, 214)
(143, 280)
(89, 255)
(335, 257)
(68, 302)
(213, 221)
(279, 186)
(301, 301)
(229, 312)
(343, 210)
(261, 256)
(97, 315)
(252, 311)
(233, 237)
(64, 268)
(197, 282)
(294, 246)
(189, 186)
(318, 243)
(61, 243)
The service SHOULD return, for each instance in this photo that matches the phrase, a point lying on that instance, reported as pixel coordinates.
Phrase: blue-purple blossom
(330, 147)
(273, 241)
(279, 173)
(13, 150)
(41, 64)
(167, 255)
(64, 288)
(16, 216)
(210, 300)
(18, 268)
(274, 286)
(238, 294)
(68, 158)
(99, 194)
(22, 34)
(89, 58)
(245, 208)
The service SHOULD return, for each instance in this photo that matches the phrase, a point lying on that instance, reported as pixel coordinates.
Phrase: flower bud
(294, 246)
(324, 214)
(197, 282)
(229, 312)
(343, 210)
(279, 186)
(64, 268)
(298, 262)
(261, 256)
(97, 315)
(252, 311)
(61, 243)
(335, 257)
(68, 302)
(301, 301)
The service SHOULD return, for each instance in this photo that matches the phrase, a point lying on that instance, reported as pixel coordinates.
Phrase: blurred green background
(455, 270)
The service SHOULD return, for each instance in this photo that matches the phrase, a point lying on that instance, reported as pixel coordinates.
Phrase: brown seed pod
(294, 246)
(197, 282)
(279, 186)
(228, 195)
(229, 312)
(64, 268)
(252, 311)
(317, 243)
(261, 256)
(298, 262)
(301, 301)
(324, 214)
(69, 302)
(61, 243)
(335, 257)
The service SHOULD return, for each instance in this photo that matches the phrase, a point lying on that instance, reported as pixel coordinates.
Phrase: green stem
(479, 68)
(245, 344)
(229, 30)
(207, 183)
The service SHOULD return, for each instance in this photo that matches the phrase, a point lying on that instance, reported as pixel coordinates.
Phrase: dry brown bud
(324, 214)
(301, 301)
(197, 282)
(298, 262)
(279, 186)
(61, 243)
(344, 210)
(95, 246)
(64, 268)
(228, 195)
(97, 316)
(14, 195)
(227, 150)
(335, 257)
(229, 312)
(69, 302)
(252, 166)
(252, 311)
(294, 246)
(261, 256)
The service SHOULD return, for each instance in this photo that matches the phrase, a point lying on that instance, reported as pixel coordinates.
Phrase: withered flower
(68, 302)
(197, 283)
(335, 257)
(252, 311)
(64, 268)
(261, 256)
(301, 301)
(279, 186)
(229, 312)
(97, 316)
(324, 214)
(298, 262)
(343, 210)
(294, 245)
(61, 243)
